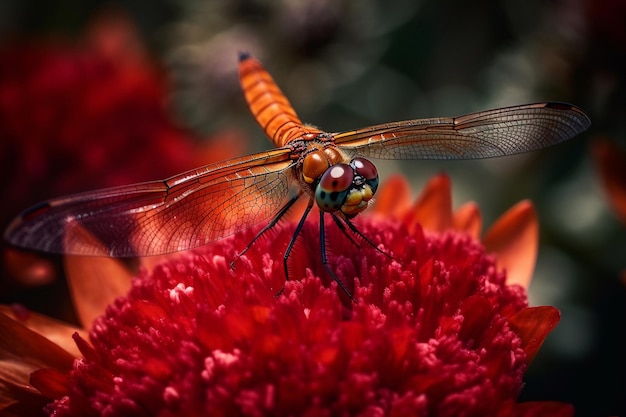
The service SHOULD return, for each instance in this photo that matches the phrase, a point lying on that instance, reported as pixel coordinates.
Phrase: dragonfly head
(347, 188)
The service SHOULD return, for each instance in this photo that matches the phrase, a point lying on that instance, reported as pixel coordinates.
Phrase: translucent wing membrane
(486, 134)
(202, 205)
(182, 212)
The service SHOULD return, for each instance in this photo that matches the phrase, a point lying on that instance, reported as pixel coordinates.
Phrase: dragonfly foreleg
(284, 209)
(341, 226)
(292, 242)
(324, 260)
(343, 222)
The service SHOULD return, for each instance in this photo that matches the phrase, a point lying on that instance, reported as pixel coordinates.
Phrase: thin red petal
(433, 208)
(16, 340)
(56, 331)
(533, 324)
(51, 383)
(610, 163)
(18, 402)
(514, 238)
(23, 351)
(393, 197)
(543, 409)
(468, 219)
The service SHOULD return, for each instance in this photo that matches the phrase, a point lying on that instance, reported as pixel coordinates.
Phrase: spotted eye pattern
(348, 188)
(333, 187)
(367, 170)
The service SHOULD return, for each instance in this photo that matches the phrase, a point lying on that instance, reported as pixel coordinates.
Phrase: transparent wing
(182, 212)
(485, 134)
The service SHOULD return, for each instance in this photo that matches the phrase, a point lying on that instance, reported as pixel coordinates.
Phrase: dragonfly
(332, 170)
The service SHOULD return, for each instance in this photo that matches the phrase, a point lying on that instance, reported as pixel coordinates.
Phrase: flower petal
(514, 237)
(21, 401)
(393, 197)
(50, 382)
(433, 208)
(543, 409)
(533, 324)
(467, 218)
(58, 332)
(23, 351)
(611, 165)
(94, 281)
(16, 340)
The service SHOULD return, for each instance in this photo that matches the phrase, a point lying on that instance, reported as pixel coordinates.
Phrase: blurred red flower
(90, 114)
(610, 163)
(440, 330)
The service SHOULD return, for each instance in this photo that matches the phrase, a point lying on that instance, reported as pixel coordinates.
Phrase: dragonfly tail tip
(244, 55)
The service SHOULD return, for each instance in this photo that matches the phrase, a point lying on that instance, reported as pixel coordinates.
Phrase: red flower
(436, 331)
(610, 163)
(91, 114)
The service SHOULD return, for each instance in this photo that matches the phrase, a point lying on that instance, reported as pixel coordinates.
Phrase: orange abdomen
(268, 104)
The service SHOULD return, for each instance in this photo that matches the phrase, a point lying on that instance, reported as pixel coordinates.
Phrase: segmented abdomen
(269, 105)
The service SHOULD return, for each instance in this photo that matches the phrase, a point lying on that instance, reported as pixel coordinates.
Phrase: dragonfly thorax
(347, 187)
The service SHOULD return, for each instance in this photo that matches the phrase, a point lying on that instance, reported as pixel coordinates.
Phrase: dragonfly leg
(341, 226)
(292, 242)
(284, 209)
(324, 260)
(343, 222)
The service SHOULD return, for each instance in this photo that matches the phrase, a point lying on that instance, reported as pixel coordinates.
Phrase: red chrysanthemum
(88, 114)
(438, 330)
(75, 117)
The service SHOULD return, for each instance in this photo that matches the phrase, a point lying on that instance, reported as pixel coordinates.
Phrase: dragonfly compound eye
(367, 170)
(333, 187)
(364, 185)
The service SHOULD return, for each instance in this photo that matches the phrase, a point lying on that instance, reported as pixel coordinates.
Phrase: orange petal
(514, 238)
(19, 344)
(393, 197)
(610, 161)
(58, 332)
(78, 240)
(433, 208)
(533, 324)
(23, 351)
(94, 283)
(468, 219)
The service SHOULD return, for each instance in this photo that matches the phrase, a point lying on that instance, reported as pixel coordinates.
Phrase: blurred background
(95, 94)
